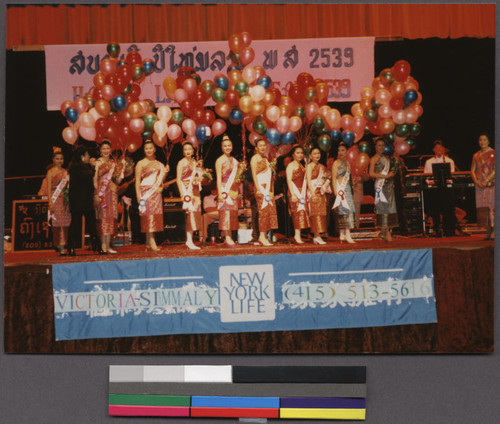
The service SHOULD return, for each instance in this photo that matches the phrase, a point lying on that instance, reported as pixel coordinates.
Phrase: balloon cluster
(112, 109)
(392, 107)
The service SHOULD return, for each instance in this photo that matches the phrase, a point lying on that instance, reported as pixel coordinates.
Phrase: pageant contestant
(297, 192)
(227, 168)
(344, 204)
(262, 175)
(81, 200)
(106, 197)
(385, 201)
(59, 216)
(149, 176)
(316, 174)
(483, 175)
(189, 183)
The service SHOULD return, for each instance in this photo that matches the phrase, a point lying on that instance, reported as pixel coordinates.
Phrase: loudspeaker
(174, 227)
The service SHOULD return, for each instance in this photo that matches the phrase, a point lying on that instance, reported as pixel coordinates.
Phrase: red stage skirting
(463, 280)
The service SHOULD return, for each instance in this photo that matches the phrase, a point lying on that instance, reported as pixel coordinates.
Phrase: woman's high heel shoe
(152, 248)
(192, 246)
(295, 241)
(349, 239)
(318, 240)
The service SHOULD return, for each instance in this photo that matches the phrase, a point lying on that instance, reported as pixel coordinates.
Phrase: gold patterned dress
(345, 214)
(268, 220)
(386, 212)
(107, 209)
(60, 215)
(193, 217)
(152, 215)
(228, 210)
(483, 164)
(298, 209)
(317, 201)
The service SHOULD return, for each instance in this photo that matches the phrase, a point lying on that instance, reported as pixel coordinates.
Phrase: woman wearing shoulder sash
(264, 191)
(483, 175)
(344, 204)
(149, 176)
(297, 192)
(59, 214)
(385, 201)
(189, 184)
(315, 172)
(226, 168)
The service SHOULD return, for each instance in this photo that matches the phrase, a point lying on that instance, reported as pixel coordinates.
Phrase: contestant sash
(188, 203)
(265, 178)
(379, 183)
(318, 182)
(301, 195)
(57, 192)
(105, 183)
(228, 184)
(341, 197)
(155, 179)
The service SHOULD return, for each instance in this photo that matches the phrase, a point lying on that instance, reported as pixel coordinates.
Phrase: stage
(463, 283)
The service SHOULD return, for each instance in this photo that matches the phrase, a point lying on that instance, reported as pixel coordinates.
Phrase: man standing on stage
(439, 197)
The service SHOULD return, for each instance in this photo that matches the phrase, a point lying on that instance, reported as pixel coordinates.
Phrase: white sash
(155, 179)
(188, 203)
(228, 184)
(57, 192)
(318, 182)
(301, 195)
(379, 183)
(105, 183)
(265, 178)
(341, 197)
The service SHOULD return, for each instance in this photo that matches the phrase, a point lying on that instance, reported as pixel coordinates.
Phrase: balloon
(258, 108)
(231, 97)
(160, 128)
(136, 125)
(305, 80)
(218, 95)
(159, 141)
(66, 105)
(71, 115)
(87, 133)
(409, 97)
(209, 117)
(385, 111)
(174, 131)
(383, 96)
(401, 70)
(272, 113)
(108, 92)
(169, 85)
(387, 126)
(199, 97)
(348, 137)
(397, 89)
(257, 93)
(386, 76)
(287, 138)
(352, 154)
(107, 66)
(295, 124)
(81, 105)
(119, 103)
(335, 135)
(260, 126)
(374, 128)
(222, 109)
(321, 91)
(346, 122)
(402, 130)
(309, 94)
(371, 115)
(177, 116)
(325, 142)
(180, 95)
(164, 113)
(362, 161)
(419, 109)
(367, 92)
(411, 115)
(312, 109)
(364, 147)
(189, 85)
(149, 120)
(133, 146)
(87, 120)
(234, 77)
(247, 55)
(399, 117)
(241, 87)
(273, 136)
(265, 81)
(188, 107)
(235, 43)
(388, 150)
(236, 116)
(203, 133)
(207, 86)
(356, 110)
(318, 123)
(222, 82)
(218, 127)
(246, 38)
(401, 148)
(113, 49)
(283, 124)
(245, 104)
(133, 57)
(70, 135)
(149, 67)
(333, 118)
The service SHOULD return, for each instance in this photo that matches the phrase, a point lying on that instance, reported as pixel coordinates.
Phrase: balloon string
(209, 147)
(244, 141)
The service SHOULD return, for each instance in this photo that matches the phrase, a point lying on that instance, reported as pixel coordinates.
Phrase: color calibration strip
(309, 392)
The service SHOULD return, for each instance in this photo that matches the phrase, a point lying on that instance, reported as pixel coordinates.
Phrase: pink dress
(152, 216)
(193, 218)
(107, 209)
(228, 213)
(60, 216)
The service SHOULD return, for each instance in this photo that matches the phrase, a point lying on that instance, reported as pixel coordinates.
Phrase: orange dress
(228, 213)
(317, 203)
(193, 218)
(107, 210)
(300, 217)
(268, 220)
(60, 216)
(152, 216)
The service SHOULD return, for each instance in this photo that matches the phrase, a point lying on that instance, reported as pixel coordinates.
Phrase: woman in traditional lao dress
(297, 192)
(149, 176)
(483, 175)
(264, 192)
(344, 204)
(385, 201)
(189, 183)
(315, 174)
(226, 168)
(59, 214)
(106, 178)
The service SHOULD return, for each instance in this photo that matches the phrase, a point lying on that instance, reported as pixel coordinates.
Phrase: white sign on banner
(345, 64)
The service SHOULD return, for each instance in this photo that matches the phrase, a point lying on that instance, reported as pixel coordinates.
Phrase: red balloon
(296, 92)
(235, 43)
(374, 128)
(199, 97)
(247, 55)
(101, 126)
(209, 117)
(305, 80)
(188, 107)
(396, 103)
(232, 97)
(246, 38)
(198, 116)
(133, 58)
(401, 70)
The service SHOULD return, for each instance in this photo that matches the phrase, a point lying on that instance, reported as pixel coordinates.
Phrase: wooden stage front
(463, 283)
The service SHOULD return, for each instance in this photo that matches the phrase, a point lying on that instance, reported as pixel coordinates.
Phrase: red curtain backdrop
(31, 25)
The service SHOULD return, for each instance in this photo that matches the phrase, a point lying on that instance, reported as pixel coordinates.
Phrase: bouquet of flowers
(241, 172)
(326, 187)
(206, 176)
(272, 165)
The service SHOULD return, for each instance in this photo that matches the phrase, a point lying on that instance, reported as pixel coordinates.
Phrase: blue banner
(243, 294)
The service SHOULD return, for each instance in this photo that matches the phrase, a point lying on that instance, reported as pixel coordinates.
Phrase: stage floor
(137, 251)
